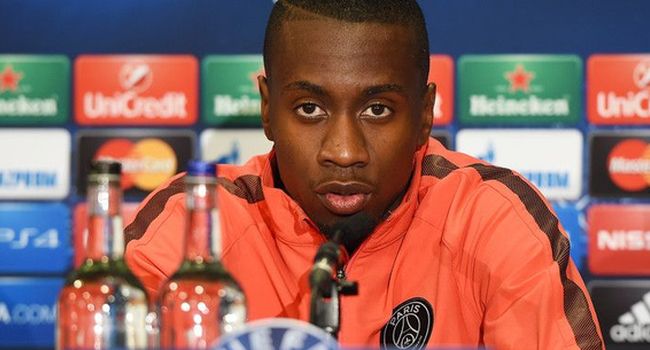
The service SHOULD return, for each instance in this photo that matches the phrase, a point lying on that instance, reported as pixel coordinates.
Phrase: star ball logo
(145, 164)
(629, 165)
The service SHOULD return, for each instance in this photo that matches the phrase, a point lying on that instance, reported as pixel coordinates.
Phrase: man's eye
(309, 110)
(377, 111)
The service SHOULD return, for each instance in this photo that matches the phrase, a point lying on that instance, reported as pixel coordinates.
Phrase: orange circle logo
(145, 164)
(629, 165)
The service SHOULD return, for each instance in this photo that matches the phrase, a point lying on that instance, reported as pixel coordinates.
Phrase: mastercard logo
(629, 165)
(146, 163)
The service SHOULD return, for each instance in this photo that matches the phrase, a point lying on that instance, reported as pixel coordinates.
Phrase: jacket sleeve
(154, 247)
(532, 294)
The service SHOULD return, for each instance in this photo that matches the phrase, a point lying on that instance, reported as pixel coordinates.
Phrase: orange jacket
(473, 255)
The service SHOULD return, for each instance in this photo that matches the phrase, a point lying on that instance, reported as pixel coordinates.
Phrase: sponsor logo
(34, 89)
(441, 72)
(23, 314)
(80, 228)
(620, 164)
(520, 89)
(149, 158)
(145, 163)
(28, 311)
(278, 334)
(136, 90)
(634, 325)
(623, 309)
(233, 146)
(629, 165)
(230, 90)
(619, 89)
(410, 325)
(551, 159)
(38, 165)
(34, 238)
(619, 239)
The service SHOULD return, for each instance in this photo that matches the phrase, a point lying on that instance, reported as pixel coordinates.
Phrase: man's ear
(262, 83)
(426, 119)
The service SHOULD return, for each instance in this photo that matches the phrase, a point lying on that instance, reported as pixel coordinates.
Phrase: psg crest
(278, 333)
(409, 326)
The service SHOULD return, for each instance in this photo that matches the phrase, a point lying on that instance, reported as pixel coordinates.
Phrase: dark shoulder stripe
(248, 187)
(151, 210)
(576, 307)
(437, 166)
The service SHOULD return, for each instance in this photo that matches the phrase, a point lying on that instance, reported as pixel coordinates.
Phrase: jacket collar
(290, 224)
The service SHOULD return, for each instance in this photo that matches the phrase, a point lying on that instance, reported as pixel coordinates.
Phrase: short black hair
(399, 12)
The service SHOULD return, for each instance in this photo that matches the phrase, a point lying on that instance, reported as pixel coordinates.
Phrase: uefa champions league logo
(280, 334)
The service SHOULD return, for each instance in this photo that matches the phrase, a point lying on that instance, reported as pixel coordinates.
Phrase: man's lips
(344, 198)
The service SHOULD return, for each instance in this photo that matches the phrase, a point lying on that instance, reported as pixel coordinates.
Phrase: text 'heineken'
(201, 301)
(103, 305)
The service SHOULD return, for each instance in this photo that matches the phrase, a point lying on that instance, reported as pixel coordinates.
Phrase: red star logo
(519, 79)
(9, 79)
(253, 77)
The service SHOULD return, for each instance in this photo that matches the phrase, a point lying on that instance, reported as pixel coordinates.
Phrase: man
(452, 250)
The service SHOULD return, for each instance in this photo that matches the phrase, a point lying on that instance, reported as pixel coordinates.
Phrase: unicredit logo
(136, 89)
(641, 74)
(135, 79)
(634, 325)
(629, 165)
(616, 97)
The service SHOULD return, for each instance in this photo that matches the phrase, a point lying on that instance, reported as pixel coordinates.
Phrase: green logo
(230, 93)
(34, 89)
(520, 89)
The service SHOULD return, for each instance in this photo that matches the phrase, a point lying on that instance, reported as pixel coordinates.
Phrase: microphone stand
(327, 286)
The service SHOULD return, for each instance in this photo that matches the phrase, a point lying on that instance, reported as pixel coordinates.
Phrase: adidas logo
(634, 325)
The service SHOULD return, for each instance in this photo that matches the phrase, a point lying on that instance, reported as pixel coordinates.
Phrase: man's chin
(354, 228)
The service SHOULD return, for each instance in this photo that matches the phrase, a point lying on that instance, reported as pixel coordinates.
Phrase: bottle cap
(201, 168)
(105, 166)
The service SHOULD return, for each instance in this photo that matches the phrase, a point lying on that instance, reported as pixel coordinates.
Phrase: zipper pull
(340, 274)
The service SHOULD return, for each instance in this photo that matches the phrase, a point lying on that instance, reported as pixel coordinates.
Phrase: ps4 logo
(29, 236)
(233, 157)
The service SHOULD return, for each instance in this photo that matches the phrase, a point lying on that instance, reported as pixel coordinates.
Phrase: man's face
(346, 108)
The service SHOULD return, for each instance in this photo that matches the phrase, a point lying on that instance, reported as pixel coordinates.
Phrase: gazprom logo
(28, 179)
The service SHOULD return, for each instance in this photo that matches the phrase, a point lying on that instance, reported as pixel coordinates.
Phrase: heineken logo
(9, 79)
(519, 89)
(519, 79)
(231, 91)
(33, 89)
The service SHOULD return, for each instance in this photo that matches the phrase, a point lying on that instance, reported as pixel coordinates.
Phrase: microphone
(329, 258)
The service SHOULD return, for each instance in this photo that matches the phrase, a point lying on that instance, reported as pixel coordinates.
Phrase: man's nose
(344, 143)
